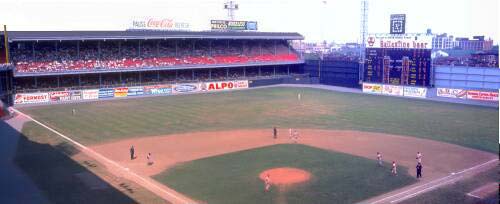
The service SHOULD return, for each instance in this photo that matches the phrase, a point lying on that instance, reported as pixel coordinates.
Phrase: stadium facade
(66, 63)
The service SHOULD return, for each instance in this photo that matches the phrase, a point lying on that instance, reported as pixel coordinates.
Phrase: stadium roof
(145, 34)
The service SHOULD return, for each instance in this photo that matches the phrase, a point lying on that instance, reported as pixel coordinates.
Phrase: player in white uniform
(379, 158)
(394, 170)
(267, 183)
(419, 157)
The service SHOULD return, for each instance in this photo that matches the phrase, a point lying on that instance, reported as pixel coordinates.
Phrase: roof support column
(158, 48)
(99, 49)
(275, 49)
(33, 49)
(78, 49)
(139, 51)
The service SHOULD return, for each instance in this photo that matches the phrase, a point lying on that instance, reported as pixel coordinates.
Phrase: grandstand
(65, 60)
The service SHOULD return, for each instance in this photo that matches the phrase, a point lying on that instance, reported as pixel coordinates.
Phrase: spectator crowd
(106, 55)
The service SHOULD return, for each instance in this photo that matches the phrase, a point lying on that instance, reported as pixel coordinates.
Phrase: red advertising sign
(60, 96)
(224, 85)
(482, 95)
(31, 98)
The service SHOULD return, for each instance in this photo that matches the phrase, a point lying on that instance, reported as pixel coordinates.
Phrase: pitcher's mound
(285, 175)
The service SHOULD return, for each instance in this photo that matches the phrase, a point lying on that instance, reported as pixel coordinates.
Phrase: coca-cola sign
(159, 24)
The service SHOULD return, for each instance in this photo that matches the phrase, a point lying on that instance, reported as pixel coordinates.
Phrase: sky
(335, 20)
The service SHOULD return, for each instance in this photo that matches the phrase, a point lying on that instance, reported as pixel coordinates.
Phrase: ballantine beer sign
(399, 41)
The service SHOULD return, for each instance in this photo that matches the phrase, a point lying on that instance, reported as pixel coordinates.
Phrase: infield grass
(104, 121)
(233, 178)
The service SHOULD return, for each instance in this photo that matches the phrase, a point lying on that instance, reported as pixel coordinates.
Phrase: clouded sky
(337, 20)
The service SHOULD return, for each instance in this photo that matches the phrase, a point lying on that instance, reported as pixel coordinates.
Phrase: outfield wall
(422, 92)
(127, 92)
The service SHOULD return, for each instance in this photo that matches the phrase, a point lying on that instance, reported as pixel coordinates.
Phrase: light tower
(230, 6)
(363, 32)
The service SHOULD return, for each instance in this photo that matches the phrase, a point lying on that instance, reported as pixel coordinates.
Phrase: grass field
(233, 178)
(97, 122)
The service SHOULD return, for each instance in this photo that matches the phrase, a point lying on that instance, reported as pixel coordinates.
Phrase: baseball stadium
(224, 116)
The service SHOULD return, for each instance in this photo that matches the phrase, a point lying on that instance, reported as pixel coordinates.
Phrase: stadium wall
(334, 72)
(467, 77)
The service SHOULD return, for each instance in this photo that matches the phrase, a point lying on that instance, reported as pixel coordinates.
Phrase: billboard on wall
(90, 94)
(153, 23)
(60, 96)
(398, 23)
(415, 92)
(76, 95)
(185, 88)
(106, 93)
(135, 91)
(482, 95)
(224, 85)
(233, 25)
(372, 88)
(31, 98)
(392, 90)
(121, 92)
(158, 90)
(452, 93)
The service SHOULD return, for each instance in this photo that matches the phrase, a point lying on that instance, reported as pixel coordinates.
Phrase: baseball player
(419, 157)
(150, 159)
(419, 170)
(74, 112)
(379, 158)
(267, 183)
(132, 152)
(290, 133)
(394, 170)
(275, 133)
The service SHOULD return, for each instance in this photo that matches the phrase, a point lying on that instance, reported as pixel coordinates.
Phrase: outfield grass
(233, 178)
(96, 122)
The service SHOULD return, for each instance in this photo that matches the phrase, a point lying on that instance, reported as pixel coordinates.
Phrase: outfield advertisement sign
(392, 90)
(60, 96)
(76, 95)
(372, 88)
(31, 98)
(482, 95)
(224, 85)
(451, 93)
(158, 90)
(415, 92)
(135, 91)
(121, 92)
(106, 93)
(186, 88)
(90, 94)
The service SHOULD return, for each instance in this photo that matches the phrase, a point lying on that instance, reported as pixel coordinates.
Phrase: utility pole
(230, 6)
(363, 32)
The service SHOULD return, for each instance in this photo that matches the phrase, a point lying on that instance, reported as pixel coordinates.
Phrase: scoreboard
(398, 66)
(398, 60)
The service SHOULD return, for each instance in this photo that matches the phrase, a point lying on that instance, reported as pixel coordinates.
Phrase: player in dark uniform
(419, 170)
(132, 152)
(275, 133)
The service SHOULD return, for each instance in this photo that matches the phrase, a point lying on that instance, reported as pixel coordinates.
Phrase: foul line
(426, 189)
(101, 156)
(434, 181)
